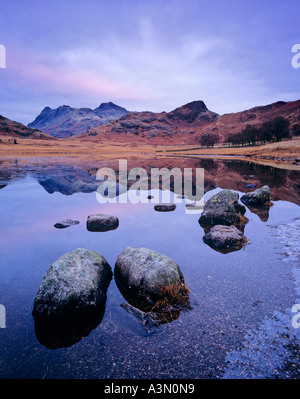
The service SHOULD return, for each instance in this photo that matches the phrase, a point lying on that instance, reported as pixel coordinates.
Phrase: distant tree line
(296, 130)
(209, 139)
(270, 131)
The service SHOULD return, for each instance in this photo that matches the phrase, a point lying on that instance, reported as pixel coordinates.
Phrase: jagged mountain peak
(65, 121)
(192, 111)
(197, 106)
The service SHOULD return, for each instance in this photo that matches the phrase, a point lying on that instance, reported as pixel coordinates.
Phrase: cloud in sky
(146, 55)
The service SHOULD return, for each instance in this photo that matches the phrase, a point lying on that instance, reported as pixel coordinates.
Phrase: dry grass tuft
(175, 296)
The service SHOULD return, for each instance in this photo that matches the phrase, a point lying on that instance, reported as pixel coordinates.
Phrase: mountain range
(183, 125)
(186, 124)
(66, 121)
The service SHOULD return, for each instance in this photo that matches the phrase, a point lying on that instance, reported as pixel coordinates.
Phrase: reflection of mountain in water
(67, 180)
(73, 177)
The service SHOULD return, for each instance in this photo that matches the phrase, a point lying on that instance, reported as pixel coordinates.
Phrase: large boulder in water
(259, 197)
(73, 286)
(226, 238)
(145, 277)
(223, 208)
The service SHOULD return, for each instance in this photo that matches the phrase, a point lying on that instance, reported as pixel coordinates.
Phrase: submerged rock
(101, 222)
(66, 223)
(149, 280)
(224, 237)
(165, 207)
(258, 197)
(223, 208)
(144, 318)
(73, 286)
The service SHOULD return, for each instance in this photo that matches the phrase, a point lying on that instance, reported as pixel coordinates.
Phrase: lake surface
(240, 321)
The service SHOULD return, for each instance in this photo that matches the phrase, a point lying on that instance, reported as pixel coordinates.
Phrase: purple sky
(151, 55)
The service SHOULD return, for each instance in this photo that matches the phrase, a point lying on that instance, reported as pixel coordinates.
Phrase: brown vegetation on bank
(281, 154)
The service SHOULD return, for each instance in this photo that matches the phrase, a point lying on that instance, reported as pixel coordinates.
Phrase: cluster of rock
(71, 299)
(96, 222)
(223, 218)
(102, 222)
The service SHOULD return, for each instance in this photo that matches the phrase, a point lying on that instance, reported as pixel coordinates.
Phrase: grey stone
(74, 284)
(165, 207)
(101, 222)
(66, 223)
(143, 274)
(223, 208)
(222, 237)
(258, 197)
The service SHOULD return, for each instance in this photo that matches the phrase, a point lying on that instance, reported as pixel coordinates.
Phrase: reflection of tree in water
(208, 164)
(266, 174)
(294, 178)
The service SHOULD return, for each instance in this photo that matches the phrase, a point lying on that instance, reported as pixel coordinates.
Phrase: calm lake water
(240, 321)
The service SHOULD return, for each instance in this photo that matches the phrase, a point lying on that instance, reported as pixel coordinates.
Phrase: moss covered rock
(146, 277)
(74, 284)
(223, 208)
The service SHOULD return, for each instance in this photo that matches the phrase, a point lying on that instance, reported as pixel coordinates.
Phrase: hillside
(186, 124)
(9, 128)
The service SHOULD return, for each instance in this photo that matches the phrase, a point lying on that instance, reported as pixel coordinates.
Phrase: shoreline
(284, 154)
